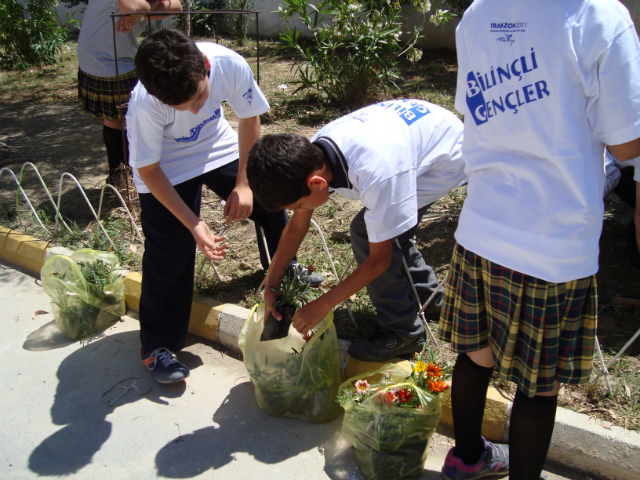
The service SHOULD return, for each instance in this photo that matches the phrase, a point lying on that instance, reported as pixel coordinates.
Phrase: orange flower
(434, 370)
(436, 386)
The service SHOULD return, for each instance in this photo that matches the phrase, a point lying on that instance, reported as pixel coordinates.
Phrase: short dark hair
(278, 168)
(170, 66)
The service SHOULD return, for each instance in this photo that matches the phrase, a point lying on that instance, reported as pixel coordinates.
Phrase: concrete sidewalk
(578, 441)
(66, 410)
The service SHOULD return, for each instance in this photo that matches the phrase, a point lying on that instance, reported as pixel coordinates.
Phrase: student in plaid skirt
(99, 90)
(543, 88)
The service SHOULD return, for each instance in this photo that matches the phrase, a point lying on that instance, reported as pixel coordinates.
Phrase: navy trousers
(168, 263)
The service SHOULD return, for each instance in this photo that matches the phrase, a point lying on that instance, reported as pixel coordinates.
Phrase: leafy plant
(426, 374)
(457, 7)
(299, 385)
(98, 273)
(293, 289)
(201, 25)
(390, 417)
(294, 293)
(87, 295)
(30, 34)
(354, 48)
(239, 24)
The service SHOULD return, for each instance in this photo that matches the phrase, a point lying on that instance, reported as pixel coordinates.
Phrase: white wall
(271, 23)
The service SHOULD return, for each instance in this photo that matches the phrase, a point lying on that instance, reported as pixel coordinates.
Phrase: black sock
(468, 396)
(530, 430)
(113, 142)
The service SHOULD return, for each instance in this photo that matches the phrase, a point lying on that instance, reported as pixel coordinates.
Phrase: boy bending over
(397, 157)
(178, 141)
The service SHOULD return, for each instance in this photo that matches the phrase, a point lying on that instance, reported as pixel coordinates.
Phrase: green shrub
(457, 7)
(239, 24)
(30, 34)
(201, 25)
(354, 47)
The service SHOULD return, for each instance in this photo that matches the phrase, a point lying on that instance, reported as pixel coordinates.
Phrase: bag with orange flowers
(294, 376)
(391, 415)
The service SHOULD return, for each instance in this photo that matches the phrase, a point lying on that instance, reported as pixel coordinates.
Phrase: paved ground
(57, 420)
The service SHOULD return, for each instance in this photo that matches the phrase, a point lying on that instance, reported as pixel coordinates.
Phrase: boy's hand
(208, 243)
(239, 203)
(271, 297)
(309, 316)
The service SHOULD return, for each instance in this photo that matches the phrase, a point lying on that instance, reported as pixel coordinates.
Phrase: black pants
(169, 257)
(626, 190)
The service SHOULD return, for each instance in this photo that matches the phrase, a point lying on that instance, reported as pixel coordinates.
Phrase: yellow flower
(420, 366)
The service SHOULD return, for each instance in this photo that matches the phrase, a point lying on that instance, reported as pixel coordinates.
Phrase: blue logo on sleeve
(195, 131)
(248, 96)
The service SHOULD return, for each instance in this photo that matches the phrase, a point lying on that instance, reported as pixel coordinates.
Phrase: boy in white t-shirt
(544, 85)
(397, 157)
(178, 141)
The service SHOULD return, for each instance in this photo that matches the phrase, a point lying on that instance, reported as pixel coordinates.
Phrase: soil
(57, 137)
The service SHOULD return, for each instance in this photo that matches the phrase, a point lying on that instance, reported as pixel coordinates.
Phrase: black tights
(115, 151)
(530, 430)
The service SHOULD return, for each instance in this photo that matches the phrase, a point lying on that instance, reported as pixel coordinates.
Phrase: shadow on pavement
(47, 337)
(243, 428)
(81, 406)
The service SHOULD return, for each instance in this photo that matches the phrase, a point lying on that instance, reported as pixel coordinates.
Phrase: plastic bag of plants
(87, 295)
(293, 377)
(391, 415)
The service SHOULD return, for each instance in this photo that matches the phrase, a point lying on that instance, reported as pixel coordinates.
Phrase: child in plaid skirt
(100, 91)
(542, 94)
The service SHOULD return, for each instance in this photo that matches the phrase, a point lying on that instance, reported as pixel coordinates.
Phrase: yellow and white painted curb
(579, 441)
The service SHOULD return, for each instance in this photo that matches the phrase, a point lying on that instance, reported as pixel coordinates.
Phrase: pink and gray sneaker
(493, 462)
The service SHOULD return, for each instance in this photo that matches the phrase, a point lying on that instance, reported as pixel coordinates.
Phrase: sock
(468, 396)
(530, 430)
(113, 142)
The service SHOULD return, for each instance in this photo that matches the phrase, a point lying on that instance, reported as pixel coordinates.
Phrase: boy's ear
(315, 181)
(207, 64)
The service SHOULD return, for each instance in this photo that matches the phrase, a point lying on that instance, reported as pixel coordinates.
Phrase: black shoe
(385, 345)
(165, 366)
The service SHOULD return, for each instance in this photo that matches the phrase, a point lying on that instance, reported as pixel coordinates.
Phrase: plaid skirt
(99, 95)
(539, 332)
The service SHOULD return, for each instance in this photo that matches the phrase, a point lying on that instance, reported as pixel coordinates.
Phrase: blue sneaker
(164, 365)
(493, 462)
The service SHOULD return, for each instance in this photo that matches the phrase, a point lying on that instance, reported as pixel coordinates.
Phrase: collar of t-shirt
(333, 155)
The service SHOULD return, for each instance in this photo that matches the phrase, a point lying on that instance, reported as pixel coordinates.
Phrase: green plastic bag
(80, 308)
(390, 442)
(293, 378)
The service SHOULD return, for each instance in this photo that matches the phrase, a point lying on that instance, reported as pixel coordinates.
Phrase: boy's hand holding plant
(310, 315)
(291, 296)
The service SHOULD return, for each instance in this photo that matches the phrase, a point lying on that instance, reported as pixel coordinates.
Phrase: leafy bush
(201, 25)
(457, 7)
(30, 34)
(354, 48)
(239, 24)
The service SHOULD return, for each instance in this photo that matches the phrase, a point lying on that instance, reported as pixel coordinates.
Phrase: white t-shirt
(543, 85)
(96, 52)
(188, 145)
(400, 155)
